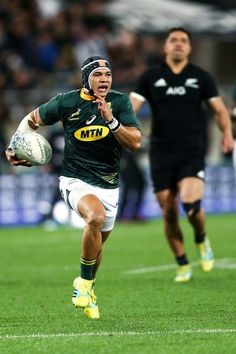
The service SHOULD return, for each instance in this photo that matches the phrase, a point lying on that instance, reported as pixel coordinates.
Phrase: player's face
(177, 46)
(100, 81)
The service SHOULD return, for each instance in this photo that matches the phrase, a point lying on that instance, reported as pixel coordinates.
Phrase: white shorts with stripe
(73, 189)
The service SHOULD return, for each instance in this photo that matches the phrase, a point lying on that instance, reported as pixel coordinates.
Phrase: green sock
(86, 268)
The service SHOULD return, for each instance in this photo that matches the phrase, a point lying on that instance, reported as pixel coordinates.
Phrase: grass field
(142, 309)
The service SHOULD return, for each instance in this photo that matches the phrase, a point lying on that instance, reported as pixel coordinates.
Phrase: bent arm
(137, 101)
(128, 137)
(29, 123)
(224, 123)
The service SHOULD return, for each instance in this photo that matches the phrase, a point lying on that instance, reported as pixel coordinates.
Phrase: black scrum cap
(91, 64)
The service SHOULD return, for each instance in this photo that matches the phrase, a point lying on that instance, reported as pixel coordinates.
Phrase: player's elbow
(136, 142)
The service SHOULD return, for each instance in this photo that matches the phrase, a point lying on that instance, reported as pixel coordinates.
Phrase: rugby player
(98, 122)
(175, 90)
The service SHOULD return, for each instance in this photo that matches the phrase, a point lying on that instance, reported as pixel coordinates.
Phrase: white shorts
(73, 189)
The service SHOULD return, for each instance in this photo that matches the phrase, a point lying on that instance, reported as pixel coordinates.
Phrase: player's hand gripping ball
(31, 147)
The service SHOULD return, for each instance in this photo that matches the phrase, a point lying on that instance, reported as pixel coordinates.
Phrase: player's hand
(103, 107)
(11, 157)
(227, 142)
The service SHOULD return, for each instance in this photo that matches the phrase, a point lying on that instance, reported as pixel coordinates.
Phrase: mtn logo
(92, 133)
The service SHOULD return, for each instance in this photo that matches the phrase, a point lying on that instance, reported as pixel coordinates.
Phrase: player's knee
(170, 215)
(193, 208)
(95, 219)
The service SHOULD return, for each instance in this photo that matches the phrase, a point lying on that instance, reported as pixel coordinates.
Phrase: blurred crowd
(43, 43)
(38, 39)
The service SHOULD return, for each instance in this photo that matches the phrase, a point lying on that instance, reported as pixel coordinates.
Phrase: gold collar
(86, 96)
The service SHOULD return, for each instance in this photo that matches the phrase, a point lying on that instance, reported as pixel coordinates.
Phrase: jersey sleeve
(142, 86)
(50, 111)
(125, 112)
(209, 88)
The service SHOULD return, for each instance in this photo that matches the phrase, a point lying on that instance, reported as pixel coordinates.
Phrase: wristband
(114, 125)
(24, 125)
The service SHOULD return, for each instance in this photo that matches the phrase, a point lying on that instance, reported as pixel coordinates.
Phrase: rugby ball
(31, 147)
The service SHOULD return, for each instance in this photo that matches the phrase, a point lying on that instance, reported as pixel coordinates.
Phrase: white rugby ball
(31, 147)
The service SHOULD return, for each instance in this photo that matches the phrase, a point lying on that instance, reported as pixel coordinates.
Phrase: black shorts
(169, 168)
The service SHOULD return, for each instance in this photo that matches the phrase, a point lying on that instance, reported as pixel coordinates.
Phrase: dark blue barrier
(22, 196)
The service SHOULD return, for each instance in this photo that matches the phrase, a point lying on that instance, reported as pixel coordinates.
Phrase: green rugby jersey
(91, 153)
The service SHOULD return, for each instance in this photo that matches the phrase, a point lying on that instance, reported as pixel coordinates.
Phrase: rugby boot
(183, 273)
(82, 290)
(206, 255)
(91, 310)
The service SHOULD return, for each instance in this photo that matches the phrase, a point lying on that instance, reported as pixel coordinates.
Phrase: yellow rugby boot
(92, 311)
(82, 290)
(206, 255)
(183, 273)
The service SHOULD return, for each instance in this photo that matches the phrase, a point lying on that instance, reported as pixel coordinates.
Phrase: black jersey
(91, 153)
(176, 104)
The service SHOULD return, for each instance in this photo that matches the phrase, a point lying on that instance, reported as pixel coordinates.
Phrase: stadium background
(41, 48)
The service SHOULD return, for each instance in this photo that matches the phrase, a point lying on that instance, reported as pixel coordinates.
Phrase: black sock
(182, 260)
(86, 268)
(199, 238)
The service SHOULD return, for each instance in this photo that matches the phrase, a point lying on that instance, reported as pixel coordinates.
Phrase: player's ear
(164, 49)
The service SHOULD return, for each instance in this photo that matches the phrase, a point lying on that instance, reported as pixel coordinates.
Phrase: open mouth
(102, 88)
(178, 50)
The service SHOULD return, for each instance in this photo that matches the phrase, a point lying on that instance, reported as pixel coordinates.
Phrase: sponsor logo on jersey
(91, 119)
(192, 83)
(160, 83)
(92, 133)
(201, 174)
(75, 115)
(180, 90)
(110, 179)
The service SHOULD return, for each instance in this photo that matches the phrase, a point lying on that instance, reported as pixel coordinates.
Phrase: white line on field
(119, 333)
(223, 263)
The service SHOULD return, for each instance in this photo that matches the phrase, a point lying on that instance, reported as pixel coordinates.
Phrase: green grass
(140, 312)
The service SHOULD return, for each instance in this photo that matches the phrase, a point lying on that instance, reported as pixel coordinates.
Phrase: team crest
(75, 115)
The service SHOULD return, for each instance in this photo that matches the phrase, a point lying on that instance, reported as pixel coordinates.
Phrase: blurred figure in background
(133, 187)
(56, 140)
(176, 90)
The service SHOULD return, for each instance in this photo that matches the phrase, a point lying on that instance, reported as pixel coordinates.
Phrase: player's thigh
(90, 206)
(73, 190)
(190, 189)
(162, 172)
